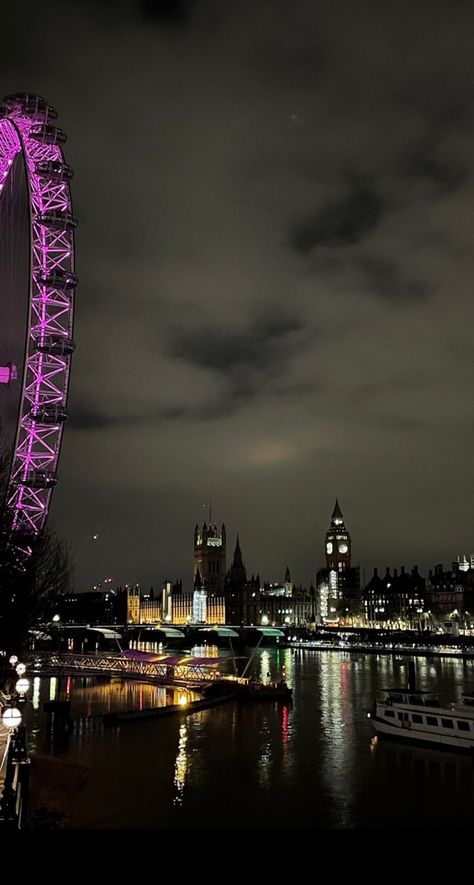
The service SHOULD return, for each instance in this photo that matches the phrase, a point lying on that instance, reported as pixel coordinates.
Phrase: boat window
(447, 723)
(400, 716)
(417, 718)
(462, 725)
(431, 720)
(413, 699)
(390, 713)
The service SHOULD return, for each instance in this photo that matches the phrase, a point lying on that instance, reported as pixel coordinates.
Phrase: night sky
(275, 260)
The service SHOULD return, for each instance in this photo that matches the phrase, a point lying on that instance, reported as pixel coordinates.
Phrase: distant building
(284, 604)
(464, 564)
(408, 595)
(207, 607)
(377, 599)
(396, 600)
(450, 592)
(210, 557)
(199, 607)
(242, 596)
(143, 608)
(133, 605)
(176, 607)
(338, 585)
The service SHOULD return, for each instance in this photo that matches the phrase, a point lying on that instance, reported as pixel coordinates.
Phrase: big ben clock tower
(338, 544)
(338, 585)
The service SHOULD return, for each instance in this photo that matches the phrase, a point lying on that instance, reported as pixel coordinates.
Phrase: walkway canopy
(220, 631)
(170, 632)
(271, 631)
(106, 632)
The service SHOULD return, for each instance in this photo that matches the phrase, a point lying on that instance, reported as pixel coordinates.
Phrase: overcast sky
(275, 260)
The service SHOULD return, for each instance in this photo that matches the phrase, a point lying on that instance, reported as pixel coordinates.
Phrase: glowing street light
(22, 686)
(11, 718)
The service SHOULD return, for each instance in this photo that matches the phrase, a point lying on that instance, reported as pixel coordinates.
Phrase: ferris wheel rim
(25, 129)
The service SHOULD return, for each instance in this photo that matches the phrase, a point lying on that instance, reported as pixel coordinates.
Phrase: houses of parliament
(228, 595)
(222, 595)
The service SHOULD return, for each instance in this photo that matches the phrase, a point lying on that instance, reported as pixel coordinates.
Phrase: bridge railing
(42, 662)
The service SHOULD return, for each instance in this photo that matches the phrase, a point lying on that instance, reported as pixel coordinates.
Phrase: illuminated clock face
(329, 547)
(343, 547)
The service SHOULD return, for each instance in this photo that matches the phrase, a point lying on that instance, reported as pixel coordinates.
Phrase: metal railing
(14, 799)
(71, 663)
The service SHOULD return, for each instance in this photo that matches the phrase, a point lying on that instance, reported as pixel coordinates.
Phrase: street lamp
(11, 718)
(22, 687)
(13, 803)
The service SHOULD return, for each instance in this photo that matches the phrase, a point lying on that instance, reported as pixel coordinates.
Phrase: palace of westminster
(398, 598)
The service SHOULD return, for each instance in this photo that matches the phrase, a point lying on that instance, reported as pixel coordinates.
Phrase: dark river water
(312, 764)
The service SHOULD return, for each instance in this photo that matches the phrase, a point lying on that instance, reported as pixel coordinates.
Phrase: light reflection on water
(312, 763)
(181, 764)
(92, 697)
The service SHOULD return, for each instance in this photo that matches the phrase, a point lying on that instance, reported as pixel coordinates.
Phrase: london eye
(37, 286)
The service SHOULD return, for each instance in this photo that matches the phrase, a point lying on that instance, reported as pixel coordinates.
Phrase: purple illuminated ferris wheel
(37, 284)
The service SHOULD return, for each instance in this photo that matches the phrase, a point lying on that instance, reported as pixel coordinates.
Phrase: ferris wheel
(37, 284)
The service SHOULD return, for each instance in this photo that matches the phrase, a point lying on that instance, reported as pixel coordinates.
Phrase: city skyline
(274, 251)
(367, 570)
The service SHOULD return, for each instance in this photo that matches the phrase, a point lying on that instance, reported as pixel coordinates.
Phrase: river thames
(311, 764)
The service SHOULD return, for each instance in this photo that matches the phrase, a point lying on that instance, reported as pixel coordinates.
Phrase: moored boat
(418, 716)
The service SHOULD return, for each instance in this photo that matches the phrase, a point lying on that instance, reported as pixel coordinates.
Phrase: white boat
(418, 716)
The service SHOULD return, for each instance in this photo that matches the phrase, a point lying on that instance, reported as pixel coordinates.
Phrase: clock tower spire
(338, 543)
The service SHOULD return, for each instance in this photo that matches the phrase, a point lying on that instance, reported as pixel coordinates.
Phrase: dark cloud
(446, 173)
(87, 418)
(340, 223)
(248, 361)
(385, 279)
(228, 351)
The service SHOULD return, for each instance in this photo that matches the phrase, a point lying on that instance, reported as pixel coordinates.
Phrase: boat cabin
(408, 696)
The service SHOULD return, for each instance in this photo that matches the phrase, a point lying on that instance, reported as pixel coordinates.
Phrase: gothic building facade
(210, 557)
(242, 595)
